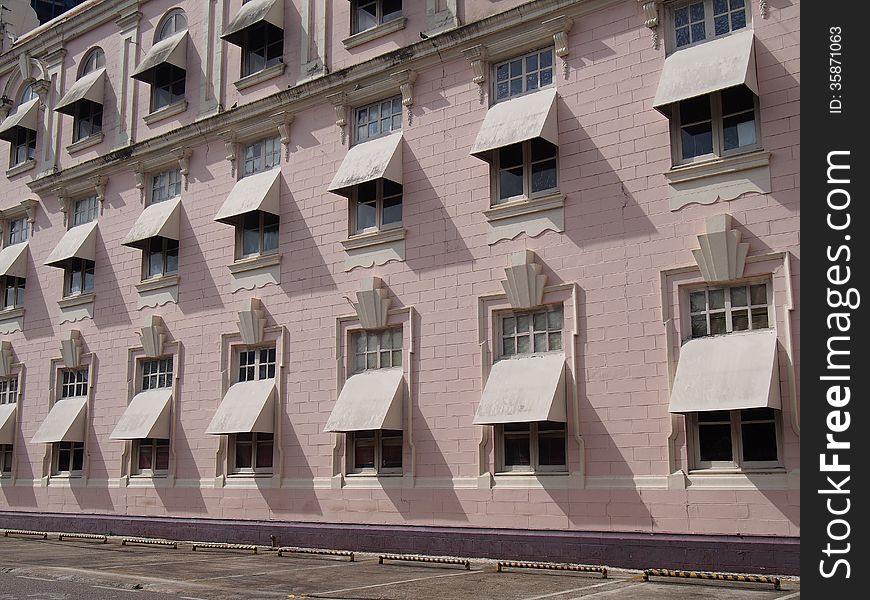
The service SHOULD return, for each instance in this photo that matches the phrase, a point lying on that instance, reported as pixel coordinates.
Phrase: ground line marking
(587, 587)
(227, 576)
(365, 587)
(36, 578)
(795, 595)
(607, 592)
(108, 587)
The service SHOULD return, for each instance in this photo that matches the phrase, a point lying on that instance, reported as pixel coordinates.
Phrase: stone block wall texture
(620, 233)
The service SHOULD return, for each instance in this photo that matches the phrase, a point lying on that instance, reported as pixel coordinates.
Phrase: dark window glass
(758, 431)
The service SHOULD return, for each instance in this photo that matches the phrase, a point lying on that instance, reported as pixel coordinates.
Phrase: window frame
(171, 18)
(534, 434)
(709, 26)
(379, 209)
(379, 15)
(353, 354)
(25, 140)
(687, 313)
(7, 459)
(18, 285)
(255, 442)
(378, 438)
(258, 365)
(736, 463)
(155, 445)
(88, 114)
(19, 235)
(75, 385)
(166, 250)
(170, 174)
(9, 390)
(155, 369)
(73, 448)
(393, 101)
(274, 153)
(171, 81)
(530, 313)
(261, 236)
(717, 121)
(78, 269)
(250, 45)
(523, 77)
(528, 194)
(88, 213)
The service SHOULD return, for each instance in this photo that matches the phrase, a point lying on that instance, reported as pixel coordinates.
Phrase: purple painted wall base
(755, 554)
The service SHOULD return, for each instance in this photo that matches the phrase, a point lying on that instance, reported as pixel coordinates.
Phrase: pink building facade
(403, 275)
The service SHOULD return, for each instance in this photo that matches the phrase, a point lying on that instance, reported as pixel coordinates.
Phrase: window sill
(737, 471)
(251, 263)
(157, 291)
(76, 308)
(375, 248)
(157, 283)
(723, 178)
(11, 313)
(530, 473)
(255, 271)
(259, 77)
(22, 168)
(91, 140)
(11, 320)
(77, 300)
(531, 216)
(374, 33)
(165, 112)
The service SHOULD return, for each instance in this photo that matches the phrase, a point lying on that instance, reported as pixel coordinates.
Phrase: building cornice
(527, 21)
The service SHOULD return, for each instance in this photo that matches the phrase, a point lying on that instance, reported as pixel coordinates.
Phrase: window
(377, 350)
(9, 390)
(736, 439)
(531, 447)
(79, 276)
(698, 20)
(24, 143)
(371, 13)
(85, 211)
(262, 47)
(253, 453)
(378, 451)
(157, 373)
(13, 292)
(378, 119)
(160, 257)
(18, 231)
(715, 125)
(88, 117)
(531, 332)
(152, 457)
(714, 311)
(526, 170)
(5, 459)
(165, 185)
(258, 234)
(168, 87)
(68, 458)
(523, 74)
(74, 383)
(174, 22)
(262, 155)
(378, 205)
(256, 364)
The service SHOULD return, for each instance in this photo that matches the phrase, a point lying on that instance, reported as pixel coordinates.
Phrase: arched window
(23, 137)
(174, 22)
(96, 59)
(28, 94)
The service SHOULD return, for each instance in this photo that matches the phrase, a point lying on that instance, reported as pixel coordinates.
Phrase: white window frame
(270, 155)
(72, 448)
(7, 457)
(19, 285)
(164, 254)
(379, 16)
(155, 370)
(528, 194)
(267, 363)
(709, 25)
(728, 309)
(533, 436)
(718, 132)
(546, 309)
(9, 390)
(85, 210)
(73, 387)
(165, 185)
(261, 229)
(379, 209)
(378, 441)
(27, 144)
(255, 443)
(154, 443)
(523, 76)
(251, 44)
(377, 336)
(737, 463)
(18, 231)
(70, 273)
(395, 103)
(174, 21)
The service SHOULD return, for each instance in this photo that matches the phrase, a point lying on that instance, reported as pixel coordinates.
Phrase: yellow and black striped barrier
(295, 550)
(83, 536)
(212, 546)
(552, 566)
(712, 576)
(8, 532)
(148, 542)
(426, 559)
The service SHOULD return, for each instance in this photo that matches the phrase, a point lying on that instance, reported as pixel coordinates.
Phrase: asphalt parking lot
(78, 570)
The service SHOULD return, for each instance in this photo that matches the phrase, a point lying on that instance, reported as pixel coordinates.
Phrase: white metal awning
(78, 242)
(65, 422)
(524, 390)
(7, 423)
(261, 191)
(711, 66)
(25, 116)
(251, 13)
(380, 158)
(518, 120)
(13, 260)
(90, 87)
(147, 416)
(157, 220)
(369, 400)
(171, 51)
(247, 407)
(727, 372)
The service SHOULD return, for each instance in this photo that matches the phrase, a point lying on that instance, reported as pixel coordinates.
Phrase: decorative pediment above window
(524, 283)
(722, 256)
(153, 335)
(373, 303)
(71, 349)
(5, 359)
(252, 322)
